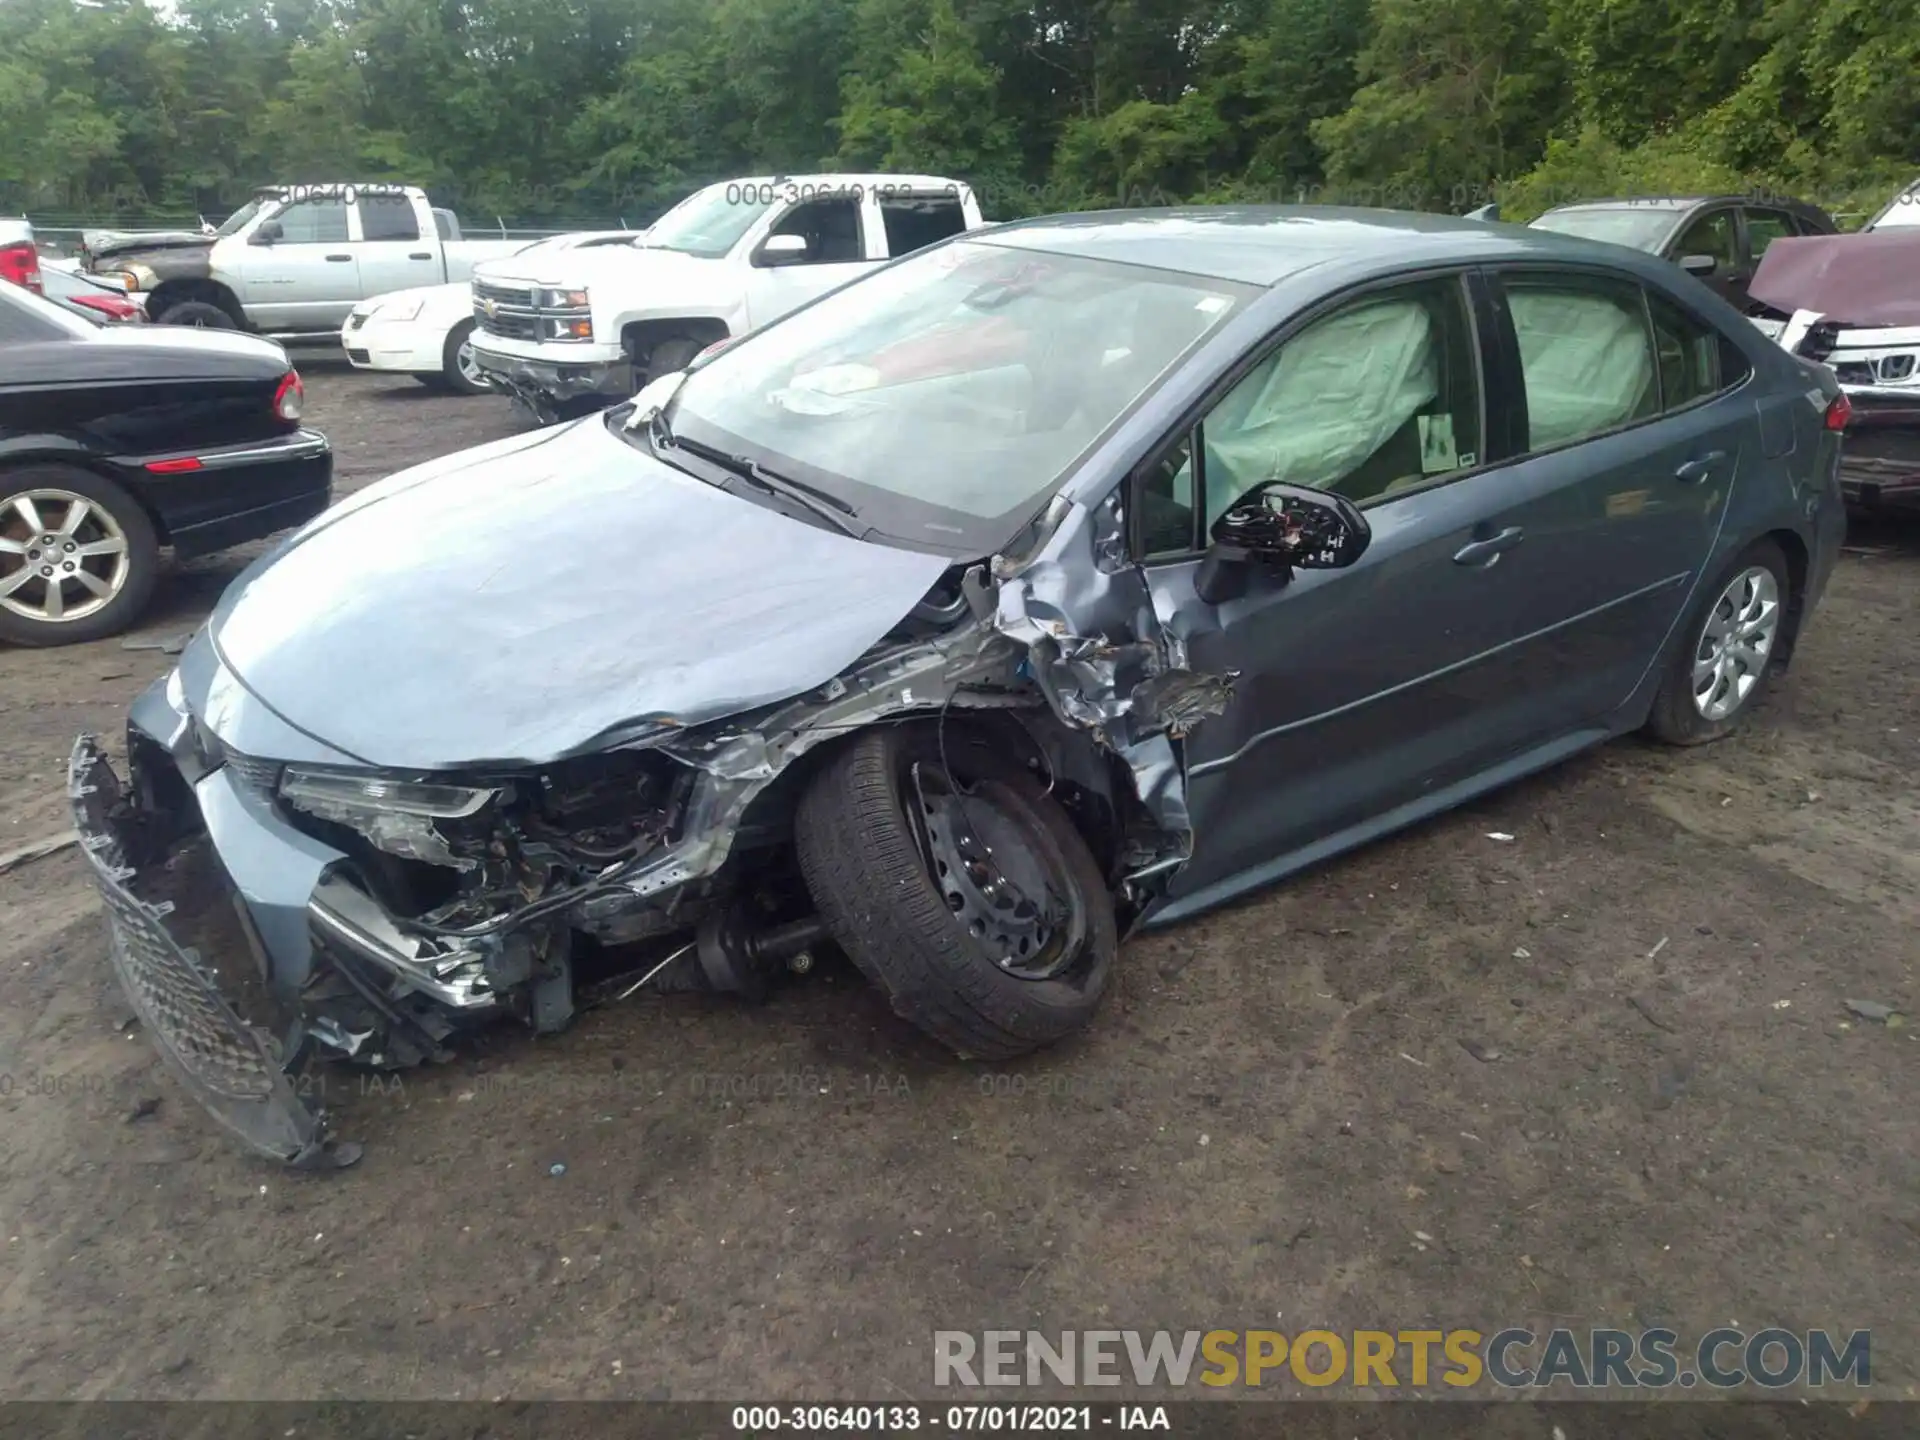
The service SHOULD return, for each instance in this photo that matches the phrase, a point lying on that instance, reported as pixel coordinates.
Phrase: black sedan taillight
(291, 398)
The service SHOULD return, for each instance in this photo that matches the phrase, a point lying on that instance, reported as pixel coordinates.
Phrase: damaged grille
(505, 310)
(224, 1061)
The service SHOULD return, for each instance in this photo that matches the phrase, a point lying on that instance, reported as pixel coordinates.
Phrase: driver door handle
(1484, 552)
(420, 255)
(1701, 468)
(341, 259)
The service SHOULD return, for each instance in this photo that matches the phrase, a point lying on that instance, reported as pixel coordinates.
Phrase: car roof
(1267, 244)
(1687, 202)
(833, 182)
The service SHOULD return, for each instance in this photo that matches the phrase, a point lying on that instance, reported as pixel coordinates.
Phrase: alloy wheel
(62, 556)
(1735, 643)
(470, 371)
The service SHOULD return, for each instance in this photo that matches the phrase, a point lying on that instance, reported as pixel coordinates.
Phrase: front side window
(1372, 400)
(831, 229)
(1711, 234)
(1586, 357)
(947, 395)
(313, 222)
(1695, 359)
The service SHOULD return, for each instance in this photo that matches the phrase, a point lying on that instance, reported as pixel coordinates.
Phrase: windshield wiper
(827, 506)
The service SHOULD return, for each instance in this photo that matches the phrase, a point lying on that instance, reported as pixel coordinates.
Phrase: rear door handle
(1701, 468)
(340, 259)
(1484, 552)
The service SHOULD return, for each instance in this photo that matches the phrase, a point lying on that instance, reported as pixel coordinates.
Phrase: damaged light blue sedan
(1068, 577)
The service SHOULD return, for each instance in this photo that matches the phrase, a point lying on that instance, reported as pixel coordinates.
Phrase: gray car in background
(1055, 581)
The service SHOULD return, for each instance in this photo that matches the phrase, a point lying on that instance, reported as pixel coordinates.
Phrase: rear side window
(387, 217)
(914, 222)
(1586, 356)
(1695, 359)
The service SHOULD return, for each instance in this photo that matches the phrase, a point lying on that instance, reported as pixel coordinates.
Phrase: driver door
(1364, 689)
(843, 242)
(307, 279)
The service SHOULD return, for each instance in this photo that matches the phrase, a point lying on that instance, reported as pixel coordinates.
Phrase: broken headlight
(401, 817)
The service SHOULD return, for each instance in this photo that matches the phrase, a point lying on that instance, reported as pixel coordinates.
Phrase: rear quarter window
(1696, 360)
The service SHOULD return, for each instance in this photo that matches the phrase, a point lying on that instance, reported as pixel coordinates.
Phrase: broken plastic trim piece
(227, 1065)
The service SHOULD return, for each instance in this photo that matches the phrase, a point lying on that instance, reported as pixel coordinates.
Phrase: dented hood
(525, 600)
(1863, 279)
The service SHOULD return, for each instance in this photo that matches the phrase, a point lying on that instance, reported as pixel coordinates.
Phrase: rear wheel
(1719, 670)
(960, 888)
(78, 556)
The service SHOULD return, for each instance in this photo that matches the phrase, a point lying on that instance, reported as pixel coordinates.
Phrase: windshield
(709, 222)
(1635, 225)
(239, 218)
(944, 396)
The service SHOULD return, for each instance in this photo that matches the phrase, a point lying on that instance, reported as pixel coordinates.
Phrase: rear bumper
(236, 493)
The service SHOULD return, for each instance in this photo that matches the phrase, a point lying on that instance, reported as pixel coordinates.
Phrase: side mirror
(1702, 265)
(1280, 528)
(778, 250)
(1485, 212)
(267, 234)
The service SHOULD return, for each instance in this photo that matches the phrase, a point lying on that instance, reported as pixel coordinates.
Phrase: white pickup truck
(297, 259)
(575, 331)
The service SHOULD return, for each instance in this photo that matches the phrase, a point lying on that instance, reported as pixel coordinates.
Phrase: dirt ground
(1597, 1074)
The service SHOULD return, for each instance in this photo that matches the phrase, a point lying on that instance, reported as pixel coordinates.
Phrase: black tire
(861, 857)
(671, 355)
(451, 377)
(201, 313)
(143, 557)
(1675, 718)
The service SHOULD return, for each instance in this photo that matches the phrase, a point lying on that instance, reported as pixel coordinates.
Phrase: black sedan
(117, 441)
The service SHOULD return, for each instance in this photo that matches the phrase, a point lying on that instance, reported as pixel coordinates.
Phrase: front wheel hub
(993, 863)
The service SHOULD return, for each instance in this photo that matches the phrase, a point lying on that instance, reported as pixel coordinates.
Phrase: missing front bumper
(233, 1067)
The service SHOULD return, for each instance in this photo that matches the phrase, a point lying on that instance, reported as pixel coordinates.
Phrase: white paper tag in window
(1437, 450)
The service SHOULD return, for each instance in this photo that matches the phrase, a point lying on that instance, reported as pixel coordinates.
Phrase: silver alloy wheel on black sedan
(1735, 644)
(78, 556)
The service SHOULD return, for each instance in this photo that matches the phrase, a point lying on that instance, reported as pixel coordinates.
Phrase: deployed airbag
(1329, 399)
(1588, 363)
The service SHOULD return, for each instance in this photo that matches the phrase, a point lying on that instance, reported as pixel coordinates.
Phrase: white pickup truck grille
(506, 310)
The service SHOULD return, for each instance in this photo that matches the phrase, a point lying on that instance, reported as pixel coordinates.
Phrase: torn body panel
(1110, 665)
